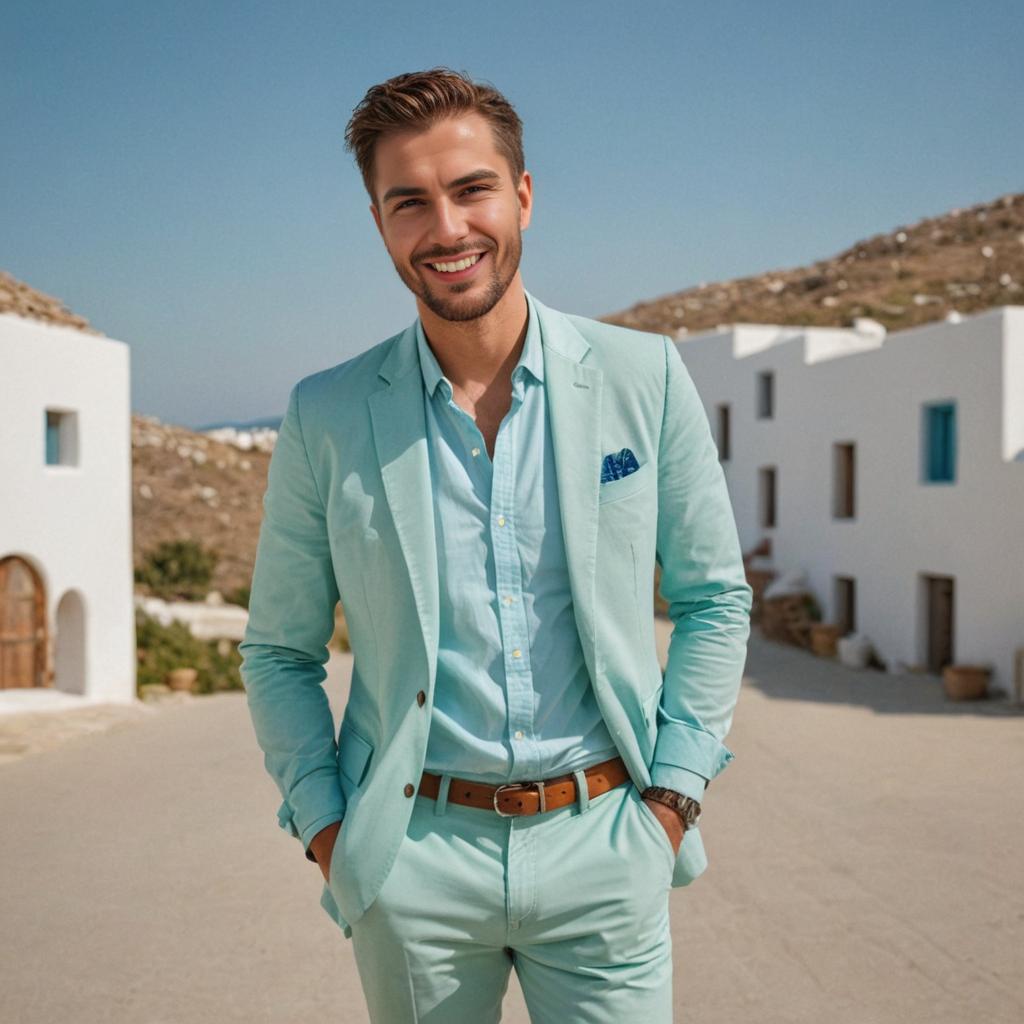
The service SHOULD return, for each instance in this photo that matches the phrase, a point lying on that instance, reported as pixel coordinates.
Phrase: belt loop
(582, 789)
(442, 794)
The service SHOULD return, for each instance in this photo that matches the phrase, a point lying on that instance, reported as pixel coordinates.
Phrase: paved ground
(864, 847)
(27, 730)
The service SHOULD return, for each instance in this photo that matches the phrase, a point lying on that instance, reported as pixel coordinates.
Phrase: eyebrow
(400, 191)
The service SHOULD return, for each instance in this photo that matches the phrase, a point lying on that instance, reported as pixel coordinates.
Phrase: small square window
(766, 395)
(767, 495)
(61, 437)
(843, 479)
(723, 431)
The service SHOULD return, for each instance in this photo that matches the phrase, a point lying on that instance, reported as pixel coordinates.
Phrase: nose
(449, 223)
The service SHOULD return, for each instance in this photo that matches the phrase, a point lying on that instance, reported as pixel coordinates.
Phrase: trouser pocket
(651, 819)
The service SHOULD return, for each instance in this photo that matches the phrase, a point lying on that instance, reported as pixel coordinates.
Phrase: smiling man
(515, 782)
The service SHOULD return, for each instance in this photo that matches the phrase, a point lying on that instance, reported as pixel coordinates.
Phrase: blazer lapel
(574, 410)
(400, 439)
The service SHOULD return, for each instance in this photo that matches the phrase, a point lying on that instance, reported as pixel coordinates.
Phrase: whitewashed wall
(72, 523)
(836, 385)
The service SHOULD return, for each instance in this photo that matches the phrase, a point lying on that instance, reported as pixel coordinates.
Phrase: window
(842, 480)
(767, 495)
(940, 442)
(765, 395)
(61, 438)
(723, 432)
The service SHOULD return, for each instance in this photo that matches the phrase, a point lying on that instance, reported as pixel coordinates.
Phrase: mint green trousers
(575, 900)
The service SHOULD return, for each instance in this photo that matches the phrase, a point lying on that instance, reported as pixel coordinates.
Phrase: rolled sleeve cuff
(310, 833)
(315, 795)
(285, 819)
(679, 779)
(315, 801)
(683, 746)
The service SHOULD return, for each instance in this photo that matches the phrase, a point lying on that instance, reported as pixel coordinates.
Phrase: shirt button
(501, 520)
(421, 698)
(476, 451)
(519, 734)
(409, 789)
(516, 653)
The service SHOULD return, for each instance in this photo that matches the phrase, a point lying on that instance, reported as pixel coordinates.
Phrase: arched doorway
(22, 625)
(69, 644)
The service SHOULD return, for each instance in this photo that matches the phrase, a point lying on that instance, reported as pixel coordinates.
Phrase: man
(514, 782)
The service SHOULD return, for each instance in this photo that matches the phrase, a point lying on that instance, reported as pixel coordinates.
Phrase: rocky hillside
(965, 261)
(187, 486)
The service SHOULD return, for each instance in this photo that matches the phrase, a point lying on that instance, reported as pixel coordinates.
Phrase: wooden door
(22, 626)
(940, 623)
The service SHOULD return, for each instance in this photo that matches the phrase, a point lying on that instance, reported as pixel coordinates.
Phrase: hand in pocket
(322, 847)
(669, 821)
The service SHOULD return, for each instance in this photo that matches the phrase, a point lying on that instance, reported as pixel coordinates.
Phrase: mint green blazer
(347, 514)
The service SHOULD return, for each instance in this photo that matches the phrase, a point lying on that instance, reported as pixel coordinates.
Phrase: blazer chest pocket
(613, 490)
(353, 757)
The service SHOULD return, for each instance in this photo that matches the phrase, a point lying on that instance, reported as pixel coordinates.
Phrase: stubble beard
(440, 305)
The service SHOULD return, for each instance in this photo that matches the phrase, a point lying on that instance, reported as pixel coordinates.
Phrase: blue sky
(176, 172)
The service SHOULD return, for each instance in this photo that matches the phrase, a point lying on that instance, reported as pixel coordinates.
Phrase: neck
(474, 353)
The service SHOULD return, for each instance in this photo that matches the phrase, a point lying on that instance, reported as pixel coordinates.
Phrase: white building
(67, 621)
(889, 469)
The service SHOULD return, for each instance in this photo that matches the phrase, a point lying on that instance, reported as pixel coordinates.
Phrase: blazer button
(409, 789)
(421, 698)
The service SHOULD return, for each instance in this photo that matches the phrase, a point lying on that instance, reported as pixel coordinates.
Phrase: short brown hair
(417, 100)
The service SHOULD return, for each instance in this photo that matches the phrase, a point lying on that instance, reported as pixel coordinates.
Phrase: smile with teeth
(463, 264)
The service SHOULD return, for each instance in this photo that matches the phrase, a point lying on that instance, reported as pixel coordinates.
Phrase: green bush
(178, 569)
(239, 596)
(161, 648)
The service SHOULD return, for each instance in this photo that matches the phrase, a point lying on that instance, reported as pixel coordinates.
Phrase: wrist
(685, 807)
(322, 843)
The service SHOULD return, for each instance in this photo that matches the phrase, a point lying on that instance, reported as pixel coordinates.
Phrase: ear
(376, 218)
(525, 193)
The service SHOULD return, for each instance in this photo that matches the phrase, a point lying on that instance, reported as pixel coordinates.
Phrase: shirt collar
(531, 359)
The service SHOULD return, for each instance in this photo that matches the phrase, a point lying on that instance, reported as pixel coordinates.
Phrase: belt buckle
(520, 786)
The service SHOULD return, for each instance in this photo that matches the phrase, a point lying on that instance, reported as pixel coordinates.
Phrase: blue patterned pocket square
(618, 464)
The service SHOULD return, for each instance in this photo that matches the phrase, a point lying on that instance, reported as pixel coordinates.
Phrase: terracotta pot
(824, 636)
(182, 678)
(966, 682)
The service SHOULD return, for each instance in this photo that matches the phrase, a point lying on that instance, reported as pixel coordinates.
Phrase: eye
(401, 204)
(483, 187)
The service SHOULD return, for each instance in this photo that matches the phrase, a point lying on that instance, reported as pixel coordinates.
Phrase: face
(450, 215)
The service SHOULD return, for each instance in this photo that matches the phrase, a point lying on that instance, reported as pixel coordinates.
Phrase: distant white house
(890, 470)
(67, 621)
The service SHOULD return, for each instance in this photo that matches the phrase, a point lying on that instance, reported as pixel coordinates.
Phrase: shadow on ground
(786, 672)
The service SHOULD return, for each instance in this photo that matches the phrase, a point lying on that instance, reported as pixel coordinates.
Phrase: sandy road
(864, 848)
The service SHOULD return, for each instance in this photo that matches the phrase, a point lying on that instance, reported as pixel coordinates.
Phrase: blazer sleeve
(704, 582)
(291, 620)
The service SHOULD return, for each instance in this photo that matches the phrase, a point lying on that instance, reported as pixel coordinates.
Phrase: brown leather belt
(516, 798)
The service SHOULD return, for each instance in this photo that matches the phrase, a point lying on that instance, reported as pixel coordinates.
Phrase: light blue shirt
(513, 699)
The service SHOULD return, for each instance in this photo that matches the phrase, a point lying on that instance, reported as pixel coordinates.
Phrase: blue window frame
(940, 442)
